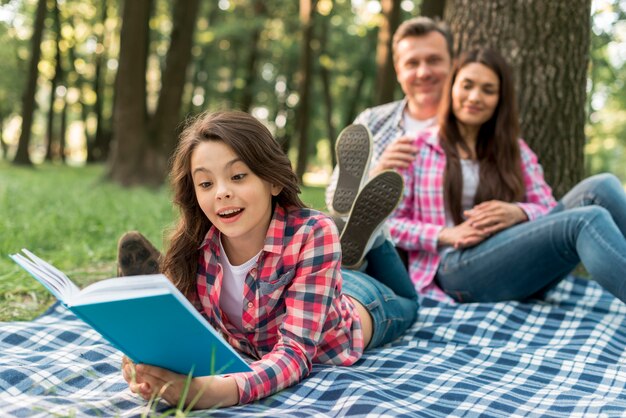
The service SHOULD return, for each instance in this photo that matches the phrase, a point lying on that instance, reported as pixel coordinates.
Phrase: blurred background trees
(94, 90)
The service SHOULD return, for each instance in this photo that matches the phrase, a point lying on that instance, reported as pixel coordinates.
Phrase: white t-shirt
(471, 177)
(414, 126)
(233, 279)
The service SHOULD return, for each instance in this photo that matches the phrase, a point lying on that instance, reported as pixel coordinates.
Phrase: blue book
(145, 317)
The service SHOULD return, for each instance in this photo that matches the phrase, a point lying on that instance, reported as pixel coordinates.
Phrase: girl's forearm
(217, 391)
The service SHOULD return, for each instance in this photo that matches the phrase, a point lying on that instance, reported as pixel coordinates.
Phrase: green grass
(72, 218)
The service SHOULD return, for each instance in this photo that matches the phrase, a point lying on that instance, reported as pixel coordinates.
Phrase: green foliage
(12, 70)
(606, 109)
(73, 219)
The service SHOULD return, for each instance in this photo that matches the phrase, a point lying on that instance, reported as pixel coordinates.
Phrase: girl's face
(236, 201)
(475, 94)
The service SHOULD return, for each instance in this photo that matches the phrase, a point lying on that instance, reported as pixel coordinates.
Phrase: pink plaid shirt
(294, 312)
(416, 223)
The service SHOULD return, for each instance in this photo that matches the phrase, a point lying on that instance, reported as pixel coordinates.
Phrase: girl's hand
(134, 380)
(494, 216)
(462, 236)
(203, 392)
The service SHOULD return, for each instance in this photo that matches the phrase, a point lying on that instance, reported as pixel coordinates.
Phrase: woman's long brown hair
(497, 147)
(254, 144)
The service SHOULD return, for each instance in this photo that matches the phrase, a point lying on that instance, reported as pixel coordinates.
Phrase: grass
(72, 218)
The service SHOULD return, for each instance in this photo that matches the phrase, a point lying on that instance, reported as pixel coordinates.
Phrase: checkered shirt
(294, 311)
(420, 216)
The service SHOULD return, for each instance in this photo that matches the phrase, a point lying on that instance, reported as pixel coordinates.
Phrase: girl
(477, 218)
(244, 239)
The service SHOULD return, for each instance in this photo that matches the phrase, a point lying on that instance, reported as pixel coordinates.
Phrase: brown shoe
(136, 255)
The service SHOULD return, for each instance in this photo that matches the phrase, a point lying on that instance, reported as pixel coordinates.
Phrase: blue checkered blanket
(561, 356)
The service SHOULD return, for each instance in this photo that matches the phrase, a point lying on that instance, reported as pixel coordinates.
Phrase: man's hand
(399, 154)
(494, 216)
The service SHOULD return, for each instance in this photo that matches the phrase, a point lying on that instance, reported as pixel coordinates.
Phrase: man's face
(422, 64)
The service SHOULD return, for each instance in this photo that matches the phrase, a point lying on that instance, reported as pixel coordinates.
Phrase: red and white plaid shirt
(294, 311)
(420, 216)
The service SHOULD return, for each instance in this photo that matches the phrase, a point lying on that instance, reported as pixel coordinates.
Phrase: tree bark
(63, 131)
(357, 92)
(22, 156)
(167, 116)
(385, 73)
(328, 97)
(547, 44)
(307, 10)
(99, 147)
(131, 150)
(252, 63)
(433, 8)
(3, 145)
(58, 74)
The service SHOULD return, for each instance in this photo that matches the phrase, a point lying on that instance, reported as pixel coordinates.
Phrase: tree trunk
(328, 97)
(127, 161)
(168, 112)
(3, 145)
(307, 10)
(433, 8)
(58, 74)
(547, 44)
(385, 73)
(22, 156)
(356, 93)
(63, 131)
(98, 149)
(251, 66)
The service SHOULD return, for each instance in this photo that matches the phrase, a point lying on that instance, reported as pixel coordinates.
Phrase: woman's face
(475, 94)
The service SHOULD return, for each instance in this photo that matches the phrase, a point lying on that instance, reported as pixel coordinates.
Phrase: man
(422, 56)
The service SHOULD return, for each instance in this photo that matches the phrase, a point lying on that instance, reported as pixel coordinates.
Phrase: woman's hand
(203, 392)
(462, 236)
(494, 216)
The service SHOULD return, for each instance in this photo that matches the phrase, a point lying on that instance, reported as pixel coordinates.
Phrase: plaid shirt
(386, 123)
(416, 223)
(294, 312)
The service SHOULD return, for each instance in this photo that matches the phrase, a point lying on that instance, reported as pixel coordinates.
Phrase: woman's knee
(605, 184)
(594, 214)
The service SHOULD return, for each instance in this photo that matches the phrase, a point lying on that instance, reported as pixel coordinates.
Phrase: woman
(477, 218)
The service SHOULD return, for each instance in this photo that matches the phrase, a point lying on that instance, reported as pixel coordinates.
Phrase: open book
(145, 317)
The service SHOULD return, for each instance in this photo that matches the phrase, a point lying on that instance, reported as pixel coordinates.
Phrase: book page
(52, 278)
(120, 288)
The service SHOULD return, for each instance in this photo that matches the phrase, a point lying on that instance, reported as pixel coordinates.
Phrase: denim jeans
(386, 291)
(588, 225)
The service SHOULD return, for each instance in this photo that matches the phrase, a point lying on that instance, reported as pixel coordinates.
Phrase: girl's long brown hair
(497, 147)
(254, 144)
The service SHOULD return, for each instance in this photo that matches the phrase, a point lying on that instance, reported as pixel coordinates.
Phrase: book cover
(145, 317)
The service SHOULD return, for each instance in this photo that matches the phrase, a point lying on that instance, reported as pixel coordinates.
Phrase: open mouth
(230, 213)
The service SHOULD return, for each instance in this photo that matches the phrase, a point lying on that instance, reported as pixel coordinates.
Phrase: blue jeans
(588, 225)
(386, 291)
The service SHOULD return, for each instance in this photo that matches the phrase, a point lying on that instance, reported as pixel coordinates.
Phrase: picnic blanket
(561, 356)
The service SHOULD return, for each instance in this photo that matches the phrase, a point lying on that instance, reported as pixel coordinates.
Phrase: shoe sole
(376, 201)
(353, 150)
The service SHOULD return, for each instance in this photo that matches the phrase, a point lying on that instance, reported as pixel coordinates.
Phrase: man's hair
(420, 26)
